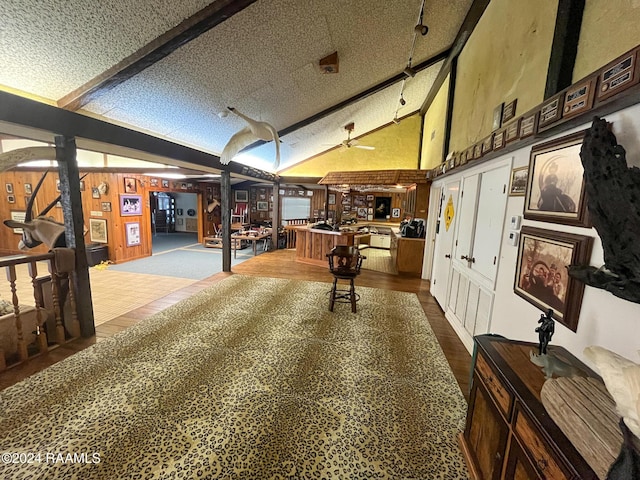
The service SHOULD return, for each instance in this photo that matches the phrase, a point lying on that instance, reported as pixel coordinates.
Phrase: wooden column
(565, 46)
(326, 203)
(275, 220)
(71, 200)
(225, 207)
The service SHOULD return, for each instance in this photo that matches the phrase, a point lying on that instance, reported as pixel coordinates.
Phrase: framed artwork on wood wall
(130, 205)
(98, 230)
(133, 233)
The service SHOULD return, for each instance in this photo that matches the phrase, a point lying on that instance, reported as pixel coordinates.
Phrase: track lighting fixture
(396, 120)
(409, 72)
(421, 29)
(403, 102)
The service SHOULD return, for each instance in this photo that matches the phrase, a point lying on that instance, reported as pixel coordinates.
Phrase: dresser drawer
(499, 393)
(536, 449)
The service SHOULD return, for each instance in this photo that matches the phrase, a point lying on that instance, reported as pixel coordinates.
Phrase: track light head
(421, 29)
(403, 102)
(409, 72)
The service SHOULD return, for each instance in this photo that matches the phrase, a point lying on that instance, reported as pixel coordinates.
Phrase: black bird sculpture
(613, 199)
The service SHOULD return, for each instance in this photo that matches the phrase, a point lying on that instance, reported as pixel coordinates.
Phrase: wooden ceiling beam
(189, 29)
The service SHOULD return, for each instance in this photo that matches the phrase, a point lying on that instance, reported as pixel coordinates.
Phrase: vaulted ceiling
(171, 68)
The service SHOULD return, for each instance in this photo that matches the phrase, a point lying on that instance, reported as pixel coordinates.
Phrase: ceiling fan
(352, 142)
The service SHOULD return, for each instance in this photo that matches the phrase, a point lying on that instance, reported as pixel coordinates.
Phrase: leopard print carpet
(252, 378)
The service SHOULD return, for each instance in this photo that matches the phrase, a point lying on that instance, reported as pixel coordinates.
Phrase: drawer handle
(542, 464)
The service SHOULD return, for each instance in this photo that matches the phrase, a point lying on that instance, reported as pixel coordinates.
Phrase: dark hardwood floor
(276, 264)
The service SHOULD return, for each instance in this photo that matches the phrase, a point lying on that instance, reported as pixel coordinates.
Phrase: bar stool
(344, 264)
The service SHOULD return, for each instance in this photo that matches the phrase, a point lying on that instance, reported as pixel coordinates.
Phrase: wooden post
(71, 200)
(275, 220)
(225, 207)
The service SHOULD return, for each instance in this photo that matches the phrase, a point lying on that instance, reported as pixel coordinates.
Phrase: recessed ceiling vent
(329, 64)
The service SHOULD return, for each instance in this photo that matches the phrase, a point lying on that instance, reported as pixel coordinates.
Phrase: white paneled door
(444, 242)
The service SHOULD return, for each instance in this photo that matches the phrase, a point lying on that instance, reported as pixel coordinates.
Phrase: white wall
(185, 201)
(605, 319)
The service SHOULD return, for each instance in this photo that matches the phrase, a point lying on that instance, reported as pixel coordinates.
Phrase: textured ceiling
(263, 61)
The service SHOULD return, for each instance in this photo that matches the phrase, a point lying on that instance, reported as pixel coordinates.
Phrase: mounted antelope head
(41, 229)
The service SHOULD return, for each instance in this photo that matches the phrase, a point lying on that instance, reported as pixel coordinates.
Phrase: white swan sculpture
(253, 132)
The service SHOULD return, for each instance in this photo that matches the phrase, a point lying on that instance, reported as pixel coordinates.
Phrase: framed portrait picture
(369, 198)
(241, 195)
(98, 230)
(27, 188)
(95, 192)
(11, 198)
(129, 185)
(555, 185)
(133, 233)
(106, 206)
(518, 185)
(153, 182)
(332, 199)
(541, 273)
(165, 183)
(395, 213)
(179, 211)
(263, 206)
(8, 187)
(130, 205)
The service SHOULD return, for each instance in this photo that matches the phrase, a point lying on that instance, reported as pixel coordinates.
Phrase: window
(295, 207)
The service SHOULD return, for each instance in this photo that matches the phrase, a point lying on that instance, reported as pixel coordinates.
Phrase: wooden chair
(344, 264)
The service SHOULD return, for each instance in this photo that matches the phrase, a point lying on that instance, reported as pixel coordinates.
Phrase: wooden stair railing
(48, 335)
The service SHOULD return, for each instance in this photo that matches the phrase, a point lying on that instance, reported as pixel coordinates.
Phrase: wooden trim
(32, 114)
(564, 47)
(154, 51)
(453, 72)
(474, 474)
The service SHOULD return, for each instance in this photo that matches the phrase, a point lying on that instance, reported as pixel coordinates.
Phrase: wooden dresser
(508, 434)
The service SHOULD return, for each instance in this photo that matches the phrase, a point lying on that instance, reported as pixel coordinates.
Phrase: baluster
(22, 346)
(41, 336)
(55, 296)
(75, 323)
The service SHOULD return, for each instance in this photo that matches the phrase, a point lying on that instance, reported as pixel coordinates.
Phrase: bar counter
(312, 245)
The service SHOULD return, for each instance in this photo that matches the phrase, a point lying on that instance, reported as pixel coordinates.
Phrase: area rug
(252, 378)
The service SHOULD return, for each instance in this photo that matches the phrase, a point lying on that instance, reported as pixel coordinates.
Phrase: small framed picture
(263, 206)
(369, 198)
(332, 199)
(98, 230)
(179, 211)
(27, 188)
(518, 185)
(153, 182)
(57, 184)
(129, 185)
(9, 187)
(11, 198)
(165, 183)
(395, 213)
(541, 273)
(241, 196)
(95, 192)
(183, 186)
(133, 233)
(130, 205)
(81, 186)
(106, 206)
(555, 184)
